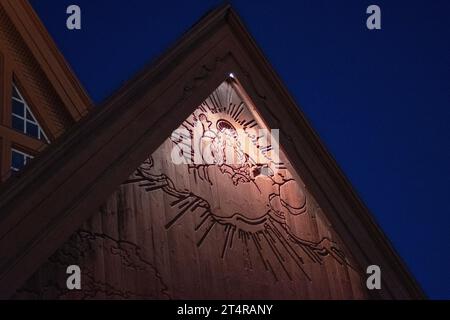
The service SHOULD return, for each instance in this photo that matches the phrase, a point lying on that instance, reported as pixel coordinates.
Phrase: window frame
(26, 110)
(27, 158)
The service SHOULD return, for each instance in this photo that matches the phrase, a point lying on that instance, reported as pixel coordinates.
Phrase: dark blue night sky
(380, 100)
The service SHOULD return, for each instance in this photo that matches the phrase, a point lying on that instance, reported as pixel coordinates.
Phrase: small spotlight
(231, 75)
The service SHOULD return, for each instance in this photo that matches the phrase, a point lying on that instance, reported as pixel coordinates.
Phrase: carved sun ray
(223, 116)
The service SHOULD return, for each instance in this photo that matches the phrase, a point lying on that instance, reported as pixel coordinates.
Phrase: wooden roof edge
(72, 93)
(224, 13)
(330, 162)
(100, 114)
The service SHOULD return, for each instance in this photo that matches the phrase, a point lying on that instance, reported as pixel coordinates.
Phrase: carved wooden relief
(210, 229)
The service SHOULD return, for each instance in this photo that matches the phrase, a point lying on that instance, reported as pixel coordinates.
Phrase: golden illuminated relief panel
(226, 183)
(215, 212)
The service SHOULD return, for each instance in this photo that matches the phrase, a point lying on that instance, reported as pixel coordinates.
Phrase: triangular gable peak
(31, 64)
(106, 148)
(221, 190)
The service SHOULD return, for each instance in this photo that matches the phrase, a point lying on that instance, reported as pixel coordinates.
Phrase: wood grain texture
(229, 228)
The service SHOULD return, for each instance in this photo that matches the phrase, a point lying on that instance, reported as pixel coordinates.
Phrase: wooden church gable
(214, 81)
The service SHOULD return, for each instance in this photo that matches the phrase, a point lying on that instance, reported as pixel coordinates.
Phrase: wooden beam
(5, 159)
(28, 144)
(6, 88)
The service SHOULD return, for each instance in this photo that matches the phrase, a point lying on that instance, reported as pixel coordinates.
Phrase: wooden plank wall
(203, 230)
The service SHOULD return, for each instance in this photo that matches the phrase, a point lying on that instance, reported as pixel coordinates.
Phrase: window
(19, 159)
(23, 119)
